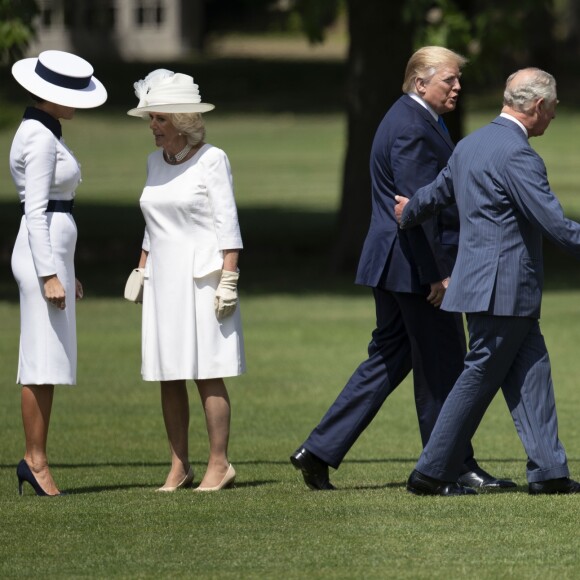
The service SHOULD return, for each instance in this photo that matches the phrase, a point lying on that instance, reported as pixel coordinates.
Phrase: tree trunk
(539, 24)
(380, 46)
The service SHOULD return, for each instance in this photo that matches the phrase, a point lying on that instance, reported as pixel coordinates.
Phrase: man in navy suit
(408, 272)
(500, 187)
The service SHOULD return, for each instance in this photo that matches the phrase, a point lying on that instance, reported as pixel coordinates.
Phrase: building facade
(127, 29)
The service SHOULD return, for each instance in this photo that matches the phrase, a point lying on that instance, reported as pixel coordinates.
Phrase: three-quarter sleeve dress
(44, 169)
(191, 217)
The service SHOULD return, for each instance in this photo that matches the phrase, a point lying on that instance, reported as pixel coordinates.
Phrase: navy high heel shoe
(24, 473)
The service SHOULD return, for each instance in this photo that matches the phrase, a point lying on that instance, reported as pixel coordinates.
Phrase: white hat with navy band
(62, 78)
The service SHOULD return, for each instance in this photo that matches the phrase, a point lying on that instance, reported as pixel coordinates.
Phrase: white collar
(512, 118)
(417, 98)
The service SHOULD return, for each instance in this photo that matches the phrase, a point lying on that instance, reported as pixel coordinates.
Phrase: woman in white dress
(46, 175)
(191, 320)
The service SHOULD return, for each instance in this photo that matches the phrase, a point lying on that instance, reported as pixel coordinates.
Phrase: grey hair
(520, 95)
(191, 125)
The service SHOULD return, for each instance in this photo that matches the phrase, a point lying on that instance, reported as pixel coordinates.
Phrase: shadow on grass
(286, 251)
(152, 488)
(480, 491)
(253, 483)
(199, 464)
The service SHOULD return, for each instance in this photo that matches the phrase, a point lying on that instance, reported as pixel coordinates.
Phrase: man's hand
(401, 203)
(437, 292)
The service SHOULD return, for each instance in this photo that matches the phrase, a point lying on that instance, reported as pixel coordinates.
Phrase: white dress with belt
(44, 169)
(191, 217)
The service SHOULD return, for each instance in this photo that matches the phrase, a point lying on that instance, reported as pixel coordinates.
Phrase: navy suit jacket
(505, 204)
(409, 150)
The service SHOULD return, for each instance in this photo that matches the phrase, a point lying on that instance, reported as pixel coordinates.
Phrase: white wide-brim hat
(163, 91)
(62, 78)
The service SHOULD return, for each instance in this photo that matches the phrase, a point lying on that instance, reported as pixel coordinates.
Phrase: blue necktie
(442, 124)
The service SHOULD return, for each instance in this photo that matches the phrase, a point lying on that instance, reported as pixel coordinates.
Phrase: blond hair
(191, 125)
(425, 62)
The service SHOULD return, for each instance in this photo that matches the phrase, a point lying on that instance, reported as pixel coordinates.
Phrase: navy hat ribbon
(60, 80)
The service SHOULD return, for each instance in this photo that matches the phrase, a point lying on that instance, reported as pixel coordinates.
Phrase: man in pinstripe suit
(408, 274)
(505, 205)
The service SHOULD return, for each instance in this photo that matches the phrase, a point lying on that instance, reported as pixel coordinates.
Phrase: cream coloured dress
(190, 217)
(44, 169)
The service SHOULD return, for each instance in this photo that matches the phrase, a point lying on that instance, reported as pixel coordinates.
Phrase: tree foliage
(316, 16)
(491, 33)
(16, 28)
(310, 17)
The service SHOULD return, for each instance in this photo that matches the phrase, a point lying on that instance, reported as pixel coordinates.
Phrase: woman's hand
(226, 295)
(79, 293)
(54, 291)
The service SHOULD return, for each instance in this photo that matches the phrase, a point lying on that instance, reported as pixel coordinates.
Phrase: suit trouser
(410, 335)
(509, 352)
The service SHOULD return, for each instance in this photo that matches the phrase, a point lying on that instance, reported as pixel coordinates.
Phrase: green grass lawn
(305, 333)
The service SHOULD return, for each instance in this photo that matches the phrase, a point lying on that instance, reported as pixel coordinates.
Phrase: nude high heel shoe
(185, 482)
(227, 481)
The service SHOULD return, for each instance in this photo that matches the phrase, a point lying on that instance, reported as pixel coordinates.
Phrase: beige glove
(226, 294)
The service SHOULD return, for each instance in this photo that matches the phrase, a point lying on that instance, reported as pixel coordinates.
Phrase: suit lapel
(429, 119)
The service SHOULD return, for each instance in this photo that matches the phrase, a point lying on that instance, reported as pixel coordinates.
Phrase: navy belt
(57, 205)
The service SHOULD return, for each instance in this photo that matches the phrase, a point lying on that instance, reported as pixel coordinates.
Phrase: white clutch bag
(134, 286)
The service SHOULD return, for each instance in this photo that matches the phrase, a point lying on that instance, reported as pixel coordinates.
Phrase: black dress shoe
(478, 477)
(314, 470)
(420, 484)
(560, 485)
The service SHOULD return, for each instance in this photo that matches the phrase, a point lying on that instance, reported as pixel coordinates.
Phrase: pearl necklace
(173, 159)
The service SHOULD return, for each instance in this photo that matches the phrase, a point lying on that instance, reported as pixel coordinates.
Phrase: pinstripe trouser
(506, 352)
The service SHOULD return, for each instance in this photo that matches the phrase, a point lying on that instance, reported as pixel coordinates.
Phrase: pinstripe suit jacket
(505, 205)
